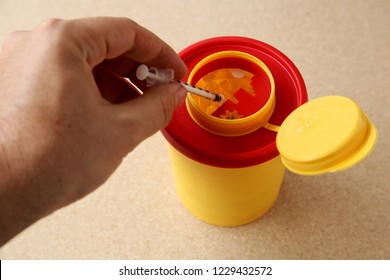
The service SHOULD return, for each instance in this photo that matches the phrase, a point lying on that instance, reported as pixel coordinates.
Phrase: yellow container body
(226, 196)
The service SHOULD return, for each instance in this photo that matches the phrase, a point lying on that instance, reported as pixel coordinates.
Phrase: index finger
(106, 38)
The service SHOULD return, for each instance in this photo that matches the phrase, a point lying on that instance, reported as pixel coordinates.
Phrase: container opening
(245, 85)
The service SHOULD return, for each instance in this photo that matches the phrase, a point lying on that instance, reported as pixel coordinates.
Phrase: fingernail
(181, 95)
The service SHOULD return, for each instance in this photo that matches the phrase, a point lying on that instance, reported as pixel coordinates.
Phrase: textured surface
(340, 47)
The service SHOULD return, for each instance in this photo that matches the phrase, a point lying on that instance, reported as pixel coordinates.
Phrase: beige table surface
(340, 47)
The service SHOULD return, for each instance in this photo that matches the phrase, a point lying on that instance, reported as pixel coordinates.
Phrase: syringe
(155, 76)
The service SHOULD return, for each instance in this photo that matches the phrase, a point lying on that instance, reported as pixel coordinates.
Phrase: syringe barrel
(159, 76)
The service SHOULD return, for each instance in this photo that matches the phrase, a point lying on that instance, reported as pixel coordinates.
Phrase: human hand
(67, 117)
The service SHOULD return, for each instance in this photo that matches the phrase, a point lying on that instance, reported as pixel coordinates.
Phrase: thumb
(145, 115)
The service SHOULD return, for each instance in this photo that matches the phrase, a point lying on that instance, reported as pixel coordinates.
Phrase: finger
(113, 88)
(125, 67)
(122, 65)
(107, 38)
(151, 112)
(12, 39)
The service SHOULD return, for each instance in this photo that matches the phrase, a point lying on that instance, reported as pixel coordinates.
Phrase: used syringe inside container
(155, 76)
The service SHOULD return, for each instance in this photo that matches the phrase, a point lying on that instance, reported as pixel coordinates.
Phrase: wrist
(22, 200)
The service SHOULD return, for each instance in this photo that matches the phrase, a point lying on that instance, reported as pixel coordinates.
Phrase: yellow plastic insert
(231, 125)
(226, 82)
(327, 134)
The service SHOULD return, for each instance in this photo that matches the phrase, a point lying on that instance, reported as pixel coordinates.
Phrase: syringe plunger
(153, 75)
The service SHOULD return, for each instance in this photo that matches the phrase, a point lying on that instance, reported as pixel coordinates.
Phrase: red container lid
(241, 151)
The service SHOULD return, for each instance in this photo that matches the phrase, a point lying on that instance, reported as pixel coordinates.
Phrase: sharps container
(229, 159)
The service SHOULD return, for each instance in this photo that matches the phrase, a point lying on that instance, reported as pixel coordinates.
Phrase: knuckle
(53, 37)
(49, 24)
(12, 38)
(50, 29)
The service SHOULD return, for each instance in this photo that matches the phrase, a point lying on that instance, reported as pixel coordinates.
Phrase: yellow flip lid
(327, 134)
